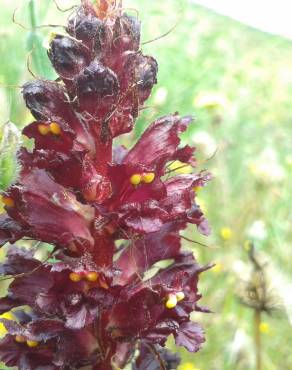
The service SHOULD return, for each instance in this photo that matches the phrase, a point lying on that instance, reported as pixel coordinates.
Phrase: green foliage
(9, 144)
(238, 83)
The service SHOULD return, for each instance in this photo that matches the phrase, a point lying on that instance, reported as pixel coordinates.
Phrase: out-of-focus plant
(257, 294)
(10, 140)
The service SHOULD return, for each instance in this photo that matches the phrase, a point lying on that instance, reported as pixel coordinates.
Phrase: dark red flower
(117, 277)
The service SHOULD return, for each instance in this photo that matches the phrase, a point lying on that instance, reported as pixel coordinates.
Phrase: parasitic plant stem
(257, 339)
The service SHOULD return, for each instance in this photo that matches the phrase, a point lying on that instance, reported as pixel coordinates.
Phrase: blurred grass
(237, 81)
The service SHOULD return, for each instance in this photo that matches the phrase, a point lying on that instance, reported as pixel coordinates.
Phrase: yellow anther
(92, 276)
(7, 201)
(148, 177)
(55, 128)
(135, 179)
(180, 296)
(197, 188)
(171, 301)
(32, 343)
(75, 277)
(43, 129)
(20, 339)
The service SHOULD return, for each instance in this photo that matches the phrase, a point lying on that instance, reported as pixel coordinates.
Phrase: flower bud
(45, 99)
(96, 82)
(126, 33)
(146, 72)
(68, 57)
(91, 30)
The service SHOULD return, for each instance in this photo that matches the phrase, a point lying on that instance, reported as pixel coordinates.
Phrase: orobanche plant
(108, 212)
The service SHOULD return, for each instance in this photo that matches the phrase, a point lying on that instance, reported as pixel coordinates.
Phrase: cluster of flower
(109, 213)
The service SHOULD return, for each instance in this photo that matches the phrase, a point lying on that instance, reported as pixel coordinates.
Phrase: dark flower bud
(97, 80)
(126, 33)
(88, 28)
(142, 71)
(94, 84)
(46, 99)
(67, 56)
(146, 72)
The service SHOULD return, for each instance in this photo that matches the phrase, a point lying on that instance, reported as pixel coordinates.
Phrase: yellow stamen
(32, 343)
(20, 339)
(43, 129)
(55, 128)
(75, 277)
(197, 188)
(92, 276)
(148, 177)
(7, 201)
(135, 179)
(171, 301)
(180, 296)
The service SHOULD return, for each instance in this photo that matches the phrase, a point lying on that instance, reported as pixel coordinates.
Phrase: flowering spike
(109, 213)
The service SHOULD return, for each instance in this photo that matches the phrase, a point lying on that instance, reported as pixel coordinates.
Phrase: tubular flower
(82, 195)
